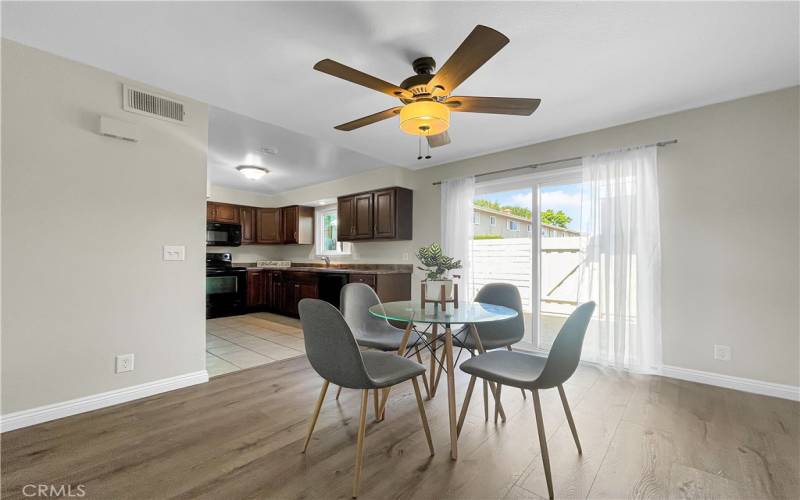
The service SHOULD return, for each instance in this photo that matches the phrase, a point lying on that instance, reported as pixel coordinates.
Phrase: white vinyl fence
(510, 261)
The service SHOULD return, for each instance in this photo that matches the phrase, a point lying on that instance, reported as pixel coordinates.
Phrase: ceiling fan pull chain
(419, 147)
(427, 156)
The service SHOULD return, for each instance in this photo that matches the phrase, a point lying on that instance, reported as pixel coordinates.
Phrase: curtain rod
(545, 163)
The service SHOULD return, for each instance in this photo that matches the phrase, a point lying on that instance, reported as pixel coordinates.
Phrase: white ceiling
(593, 65)
(234, 139)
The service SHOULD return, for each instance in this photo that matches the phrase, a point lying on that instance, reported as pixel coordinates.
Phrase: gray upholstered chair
(355, 300)
(533, 373)
(332, 350)
(498, 334)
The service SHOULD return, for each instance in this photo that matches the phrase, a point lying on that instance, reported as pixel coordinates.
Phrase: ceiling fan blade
(369, 120)
(496, 105)
(474, 51)
(339, 70)
(437, 140)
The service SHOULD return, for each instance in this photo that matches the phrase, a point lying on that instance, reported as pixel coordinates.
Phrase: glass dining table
(466, 313)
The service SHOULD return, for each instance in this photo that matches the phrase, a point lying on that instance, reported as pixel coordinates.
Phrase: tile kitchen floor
(239, 342)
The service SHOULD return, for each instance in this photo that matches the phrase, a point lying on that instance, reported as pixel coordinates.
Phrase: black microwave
(223, 235)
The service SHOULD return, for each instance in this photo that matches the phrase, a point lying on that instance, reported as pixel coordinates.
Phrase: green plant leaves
(436, 263)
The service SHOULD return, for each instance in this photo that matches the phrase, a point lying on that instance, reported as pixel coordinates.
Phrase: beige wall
(730, 226)
(84, 218)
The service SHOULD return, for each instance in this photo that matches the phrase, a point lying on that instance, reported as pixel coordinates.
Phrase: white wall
(84, 218)
(730, 226)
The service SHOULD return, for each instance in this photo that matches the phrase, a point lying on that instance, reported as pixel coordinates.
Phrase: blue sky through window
(565, 197)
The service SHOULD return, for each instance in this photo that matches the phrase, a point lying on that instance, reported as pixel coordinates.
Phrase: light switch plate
(174, 252)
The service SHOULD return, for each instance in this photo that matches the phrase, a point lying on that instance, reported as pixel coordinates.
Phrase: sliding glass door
(527, 233)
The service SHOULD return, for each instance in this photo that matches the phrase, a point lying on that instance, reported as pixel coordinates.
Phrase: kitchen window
(327, 244)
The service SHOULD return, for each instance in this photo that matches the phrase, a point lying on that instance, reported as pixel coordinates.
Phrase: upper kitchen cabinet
(298, 225)
(392, 214)
(222, 212)
(268, 226)
(385, 214)
(354, 214)
(247, 218)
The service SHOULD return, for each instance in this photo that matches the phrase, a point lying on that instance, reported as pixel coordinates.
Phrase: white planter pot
(433, 289)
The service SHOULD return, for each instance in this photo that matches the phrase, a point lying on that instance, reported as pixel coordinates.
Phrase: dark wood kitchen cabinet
(247, 218)
(298, 225)
(296, 287)
(268, 226)
(393, 214)
(222, 212)
(354, 215)
(257, 288)
(385, 214)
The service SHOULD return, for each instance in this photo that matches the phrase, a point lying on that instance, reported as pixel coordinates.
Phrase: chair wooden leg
(522, 390)
(569, 418)
(315, 415)
(384, 399)
(537, 409)
(362, 428)
(424, 378)
(338, 391)
(422, 413)
(486, 399)
(464, 407)
(376, 400)
(497, 402)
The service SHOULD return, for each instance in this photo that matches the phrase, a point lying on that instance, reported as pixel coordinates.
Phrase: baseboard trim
(33, 416)
(791, 392)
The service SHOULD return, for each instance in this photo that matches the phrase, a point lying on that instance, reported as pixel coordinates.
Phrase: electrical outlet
(722, 352)
(124, 363)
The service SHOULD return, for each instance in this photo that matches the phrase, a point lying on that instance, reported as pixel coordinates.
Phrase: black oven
(223, 235)
(226, 286)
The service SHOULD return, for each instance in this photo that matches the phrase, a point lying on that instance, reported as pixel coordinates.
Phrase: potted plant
(436, 267)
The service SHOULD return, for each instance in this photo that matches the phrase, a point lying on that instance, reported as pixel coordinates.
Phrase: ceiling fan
(427, 97)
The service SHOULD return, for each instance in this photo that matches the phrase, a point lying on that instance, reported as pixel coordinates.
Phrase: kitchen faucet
(327, 260)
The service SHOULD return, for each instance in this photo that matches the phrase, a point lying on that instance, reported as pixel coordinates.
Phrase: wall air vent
(150, 104)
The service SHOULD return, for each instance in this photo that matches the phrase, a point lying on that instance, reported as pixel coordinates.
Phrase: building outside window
(327, 244)
(512, 225)
(476, 218)
(492, 220)
(529, 228)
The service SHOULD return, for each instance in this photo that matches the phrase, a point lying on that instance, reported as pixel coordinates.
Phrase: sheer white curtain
(622, 267)
(457, 227)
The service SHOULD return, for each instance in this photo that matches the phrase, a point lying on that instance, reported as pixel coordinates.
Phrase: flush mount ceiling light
(252, 172)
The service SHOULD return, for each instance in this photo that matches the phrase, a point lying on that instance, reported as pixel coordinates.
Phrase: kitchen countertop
(339, 269)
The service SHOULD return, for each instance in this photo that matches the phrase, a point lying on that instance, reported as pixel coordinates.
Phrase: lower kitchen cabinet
(257, 288)
(298, 286)
(281, 291)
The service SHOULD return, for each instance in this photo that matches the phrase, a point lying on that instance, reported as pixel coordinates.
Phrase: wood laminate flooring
(240, 436)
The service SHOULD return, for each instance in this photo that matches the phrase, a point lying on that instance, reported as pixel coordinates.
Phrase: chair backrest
(510, 330)
(330, 345)
(355, 300)
(566, 350)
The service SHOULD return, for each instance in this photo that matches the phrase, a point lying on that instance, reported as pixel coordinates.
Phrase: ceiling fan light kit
(424, 118)
(427, 97)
